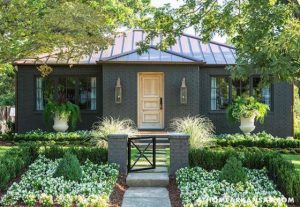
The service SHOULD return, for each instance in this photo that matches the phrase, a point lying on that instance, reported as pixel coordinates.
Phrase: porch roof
(187, 49)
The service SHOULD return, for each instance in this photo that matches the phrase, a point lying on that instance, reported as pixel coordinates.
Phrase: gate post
(117, 151)
(179, 151)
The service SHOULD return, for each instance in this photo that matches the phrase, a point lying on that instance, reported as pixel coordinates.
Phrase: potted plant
(246, 110)
(62, 112)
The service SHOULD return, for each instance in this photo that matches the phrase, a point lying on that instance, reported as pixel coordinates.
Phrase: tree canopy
(266, 33)
(30, 27)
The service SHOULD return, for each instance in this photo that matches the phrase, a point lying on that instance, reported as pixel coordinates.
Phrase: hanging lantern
(118, 92)
(183, 92)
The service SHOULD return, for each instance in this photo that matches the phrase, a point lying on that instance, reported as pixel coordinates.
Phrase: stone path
(147, 189)
(146, 197)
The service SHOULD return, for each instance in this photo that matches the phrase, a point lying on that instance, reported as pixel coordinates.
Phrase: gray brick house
(187, 79)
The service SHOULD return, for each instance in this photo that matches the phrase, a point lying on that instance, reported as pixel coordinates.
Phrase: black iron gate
(142, 145)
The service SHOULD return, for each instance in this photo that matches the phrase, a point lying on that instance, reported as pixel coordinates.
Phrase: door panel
(150, 108)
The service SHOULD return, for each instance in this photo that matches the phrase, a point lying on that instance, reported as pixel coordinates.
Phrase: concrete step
(143, 179)
(146, 197)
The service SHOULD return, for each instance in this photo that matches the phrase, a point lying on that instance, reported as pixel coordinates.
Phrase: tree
(266, 33)
(7, 85)
(73, 27)
(70, 28)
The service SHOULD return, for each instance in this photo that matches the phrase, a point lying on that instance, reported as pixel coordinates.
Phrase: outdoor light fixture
(183, 92)
(118, 92)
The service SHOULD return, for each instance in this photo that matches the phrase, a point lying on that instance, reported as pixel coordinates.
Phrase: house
(151, 89)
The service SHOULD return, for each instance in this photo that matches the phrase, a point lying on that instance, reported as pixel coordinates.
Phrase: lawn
(295, 159)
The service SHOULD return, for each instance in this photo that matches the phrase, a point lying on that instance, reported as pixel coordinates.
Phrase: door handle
(161, 103)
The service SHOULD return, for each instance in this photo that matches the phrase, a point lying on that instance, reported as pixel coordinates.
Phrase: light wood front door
(150, 100)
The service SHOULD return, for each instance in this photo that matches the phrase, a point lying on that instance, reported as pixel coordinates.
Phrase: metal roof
(186, 49)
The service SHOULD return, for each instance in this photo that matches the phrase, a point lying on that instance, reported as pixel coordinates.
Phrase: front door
(150, 100)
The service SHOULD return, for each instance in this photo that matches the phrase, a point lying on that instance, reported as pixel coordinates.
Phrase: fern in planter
(63, 110)
(246, 107)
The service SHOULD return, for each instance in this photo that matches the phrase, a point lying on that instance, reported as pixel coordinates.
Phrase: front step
(147, 179)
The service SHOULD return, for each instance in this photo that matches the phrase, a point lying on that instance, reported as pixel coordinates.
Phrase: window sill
(217, 112)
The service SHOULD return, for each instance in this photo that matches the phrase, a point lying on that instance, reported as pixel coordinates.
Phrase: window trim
(210, 88)
(56, 76)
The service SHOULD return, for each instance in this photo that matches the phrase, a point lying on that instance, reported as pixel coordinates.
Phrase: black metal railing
(136, 142)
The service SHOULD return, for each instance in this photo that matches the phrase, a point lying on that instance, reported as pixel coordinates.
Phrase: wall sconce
(118, 92)
(183, 92)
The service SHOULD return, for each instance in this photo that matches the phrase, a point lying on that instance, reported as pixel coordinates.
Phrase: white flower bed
(39, 185)
(201, 188)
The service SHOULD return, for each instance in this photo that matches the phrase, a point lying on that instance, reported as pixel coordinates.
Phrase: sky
(177, 3)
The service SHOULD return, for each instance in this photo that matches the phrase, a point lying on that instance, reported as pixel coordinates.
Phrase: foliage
(96, 155)
(69, 168)
(233, 171)
(266, 33)
(296, 109)
(36, 27)
(246, 107)
(7, 85)
(280, 171)
(64, 110)
(39, 135)
(199, 128)
(199, 187)
(14, 161)
(38, 184)
(261, 139)
(110, 125)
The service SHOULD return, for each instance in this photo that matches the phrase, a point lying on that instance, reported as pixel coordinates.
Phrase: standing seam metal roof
(187, 48)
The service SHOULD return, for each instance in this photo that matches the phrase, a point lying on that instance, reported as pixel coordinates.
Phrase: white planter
(60, 124)
(247, 124)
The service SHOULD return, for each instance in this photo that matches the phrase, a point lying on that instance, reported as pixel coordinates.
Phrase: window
(223, 90)
(261, 92)
(78, 90)
(219, 93)
(240, 88)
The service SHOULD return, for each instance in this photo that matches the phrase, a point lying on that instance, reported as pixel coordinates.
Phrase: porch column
(179, 152)
(117, 151)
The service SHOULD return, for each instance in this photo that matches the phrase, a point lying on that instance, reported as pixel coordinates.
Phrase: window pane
(240, 88)
(80, 91)
(219, 93)
(261, 92)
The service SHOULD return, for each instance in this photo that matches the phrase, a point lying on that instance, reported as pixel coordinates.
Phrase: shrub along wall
(256, 140)
(39, 135)
(281, 171)
(14, 161)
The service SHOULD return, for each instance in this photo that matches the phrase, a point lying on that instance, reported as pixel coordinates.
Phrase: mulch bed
(174, 193)
(116, 198)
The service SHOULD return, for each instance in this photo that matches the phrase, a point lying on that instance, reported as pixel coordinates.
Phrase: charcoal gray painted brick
(29, 119)
(179, 152)
(117, 151)
(128, 75)
(279, 122)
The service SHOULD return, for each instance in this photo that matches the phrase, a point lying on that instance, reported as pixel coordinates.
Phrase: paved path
(146, 197)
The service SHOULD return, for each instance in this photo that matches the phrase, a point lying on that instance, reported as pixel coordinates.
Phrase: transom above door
(150, 100)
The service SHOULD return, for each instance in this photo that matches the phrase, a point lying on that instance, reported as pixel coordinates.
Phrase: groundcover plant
(201, 188)
(38, 185)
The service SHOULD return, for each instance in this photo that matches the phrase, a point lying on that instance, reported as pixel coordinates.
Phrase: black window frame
(56, 77)
(250, 90)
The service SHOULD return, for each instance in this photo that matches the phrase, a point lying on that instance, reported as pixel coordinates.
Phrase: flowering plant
(39, 185)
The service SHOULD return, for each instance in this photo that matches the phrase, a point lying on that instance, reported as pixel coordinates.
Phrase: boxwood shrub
(95, 154)
(256, 140)
(281, 171)
(14, 161)
(39, 135)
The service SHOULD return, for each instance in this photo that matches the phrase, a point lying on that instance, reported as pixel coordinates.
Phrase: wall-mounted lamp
(183, 92)
(118, 92)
